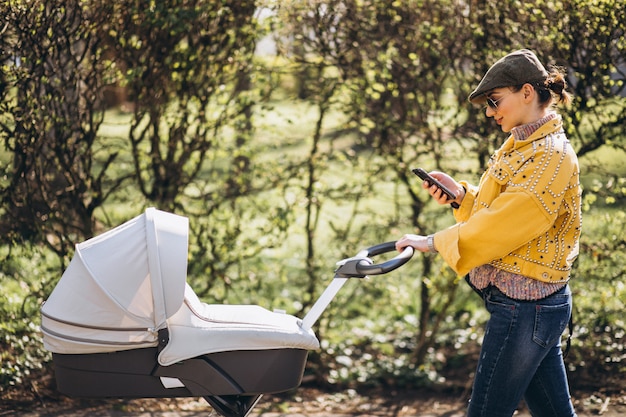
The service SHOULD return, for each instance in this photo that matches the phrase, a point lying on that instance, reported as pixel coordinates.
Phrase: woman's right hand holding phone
(436, 192)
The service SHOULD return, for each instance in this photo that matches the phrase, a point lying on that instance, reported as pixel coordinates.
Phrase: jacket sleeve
(463, 212)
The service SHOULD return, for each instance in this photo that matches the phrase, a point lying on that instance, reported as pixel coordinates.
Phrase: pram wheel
(233, 405)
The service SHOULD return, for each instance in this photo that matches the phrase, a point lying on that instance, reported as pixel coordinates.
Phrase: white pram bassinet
(122, 322)
(124, 300)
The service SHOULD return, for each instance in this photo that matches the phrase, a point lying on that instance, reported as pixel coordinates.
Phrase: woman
(516, 238)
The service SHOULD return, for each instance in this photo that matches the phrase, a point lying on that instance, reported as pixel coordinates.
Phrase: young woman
(516, 238)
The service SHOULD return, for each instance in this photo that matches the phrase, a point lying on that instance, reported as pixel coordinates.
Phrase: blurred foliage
(50, 118)
(25, 272)
(289, 159)
(599, 351)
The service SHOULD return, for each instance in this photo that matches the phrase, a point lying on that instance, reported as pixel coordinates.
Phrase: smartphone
(431, 180)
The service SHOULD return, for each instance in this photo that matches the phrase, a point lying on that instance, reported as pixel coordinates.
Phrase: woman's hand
(447, 181)
(418, 242)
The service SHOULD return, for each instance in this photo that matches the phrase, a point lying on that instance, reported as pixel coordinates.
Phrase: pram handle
(360, 265)
(356, 267)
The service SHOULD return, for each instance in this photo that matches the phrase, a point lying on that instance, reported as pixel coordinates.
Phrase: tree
(590, 43)
(53, 75)
(186, 65)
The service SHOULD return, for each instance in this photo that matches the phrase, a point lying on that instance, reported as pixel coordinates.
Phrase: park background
(286, 131)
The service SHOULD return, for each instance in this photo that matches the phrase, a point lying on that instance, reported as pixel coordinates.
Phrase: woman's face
(506, 108)
(514, 108)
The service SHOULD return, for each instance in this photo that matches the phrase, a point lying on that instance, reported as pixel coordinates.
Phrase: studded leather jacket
(524, 217)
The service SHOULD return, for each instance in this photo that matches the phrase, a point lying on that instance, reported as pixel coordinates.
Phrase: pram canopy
(126, 284)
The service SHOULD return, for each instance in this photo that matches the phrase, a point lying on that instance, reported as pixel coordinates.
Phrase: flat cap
(516, 68)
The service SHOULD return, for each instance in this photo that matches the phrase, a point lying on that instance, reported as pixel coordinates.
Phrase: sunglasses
(493, 104)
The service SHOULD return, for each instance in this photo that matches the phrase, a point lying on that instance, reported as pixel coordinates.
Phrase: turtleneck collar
(522, 132)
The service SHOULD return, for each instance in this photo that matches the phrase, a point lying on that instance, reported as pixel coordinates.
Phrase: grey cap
(516, 68)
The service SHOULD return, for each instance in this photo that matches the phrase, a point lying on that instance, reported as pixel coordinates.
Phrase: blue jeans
(521, 357)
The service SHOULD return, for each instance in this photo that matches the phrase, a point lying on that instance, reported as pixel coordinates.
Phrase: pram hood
(124, 285)
(120, 287)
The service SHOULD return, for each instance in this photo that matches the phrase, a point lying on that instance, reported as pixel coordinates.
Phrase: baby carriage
(123, 322)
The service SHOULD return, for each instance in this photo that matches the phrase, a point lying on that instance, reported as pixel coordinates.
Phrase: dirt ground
(304, 402)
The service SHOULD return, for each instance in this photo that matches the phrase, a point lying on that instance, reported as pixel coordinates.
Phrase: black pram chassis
(231, 381)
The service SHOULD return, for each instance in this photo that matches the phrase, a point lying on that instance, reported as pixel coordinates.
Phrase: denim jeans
(521, 357)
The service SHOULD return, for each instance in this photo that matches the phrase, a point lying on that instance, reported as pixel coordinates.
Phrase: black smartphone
(425, 176)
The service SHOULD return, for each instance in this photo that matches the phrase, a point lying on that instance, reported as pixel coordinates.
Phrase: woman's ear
(529, 92)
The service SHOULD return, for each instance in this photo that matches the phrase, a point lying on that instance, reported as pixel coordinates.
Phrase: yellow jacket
(525, 215)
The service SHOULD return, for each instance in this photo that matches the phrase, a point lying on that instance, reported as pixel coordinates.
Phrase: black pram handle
(361, 265)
